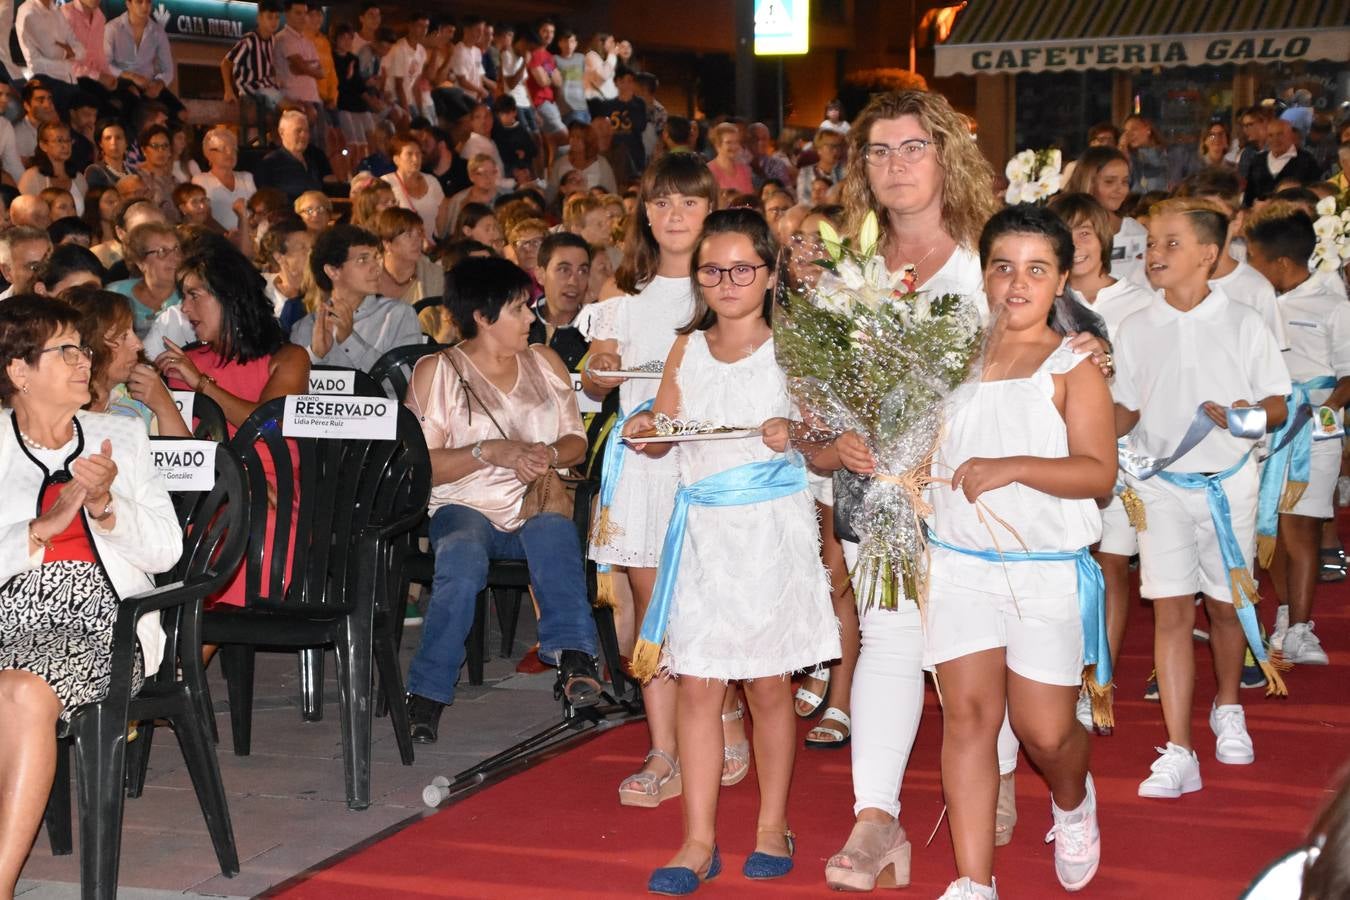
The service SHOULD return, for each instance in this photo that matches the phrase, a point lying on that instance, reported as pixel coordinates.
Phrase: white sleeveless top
(1012, 417)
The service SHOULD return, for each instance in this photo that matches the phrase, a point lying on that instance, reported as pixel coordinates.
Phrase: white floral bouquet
(1033, 176)
(1332, 252)
(863, 351)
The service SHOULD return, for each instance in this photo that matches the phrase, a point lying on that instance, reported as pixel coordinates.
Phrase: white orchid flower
(1326, 206)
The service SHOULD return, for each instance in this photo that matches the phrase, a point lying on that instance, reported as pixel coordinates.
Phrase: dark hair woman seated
(86, 520)
(497, 414)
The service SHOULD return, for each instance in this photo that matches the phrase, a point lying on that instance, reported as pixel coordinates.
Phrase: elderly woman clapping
(87, 520)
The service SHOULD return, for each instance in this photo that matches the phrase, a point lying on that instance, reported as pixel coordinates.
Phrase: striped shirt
(251, 64)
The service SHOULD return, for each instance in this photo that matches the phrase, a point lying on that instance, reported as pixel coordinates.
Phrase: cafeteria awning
(1013, 36)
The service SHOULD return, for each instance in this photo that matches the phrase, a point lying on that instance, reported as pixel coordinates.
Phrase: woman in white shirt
(598, 77)
(225, 187)
(414, 190)
(51, 165)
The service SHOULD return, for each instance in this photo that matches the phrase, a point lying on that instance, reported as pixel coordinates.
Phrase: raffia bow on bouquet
(863, 351)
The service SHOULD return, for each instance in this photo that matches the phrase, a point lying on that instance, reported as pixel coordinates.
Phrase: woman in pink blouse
(731, 172)
(497, 414)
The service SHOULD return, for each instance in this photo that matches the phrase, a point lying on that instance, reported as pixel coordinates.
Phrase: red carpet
(557, 830)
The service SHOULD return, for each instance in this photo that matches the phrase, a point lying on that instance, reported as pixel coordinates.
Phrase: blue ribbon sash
(1243, 422)
(610, 470)
(1288, 466)
(1091, 594)
(756, 482)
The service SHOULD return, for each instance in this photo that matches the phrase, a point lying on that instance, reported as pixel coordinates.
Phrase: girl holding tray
(626, 333)
(741, 593)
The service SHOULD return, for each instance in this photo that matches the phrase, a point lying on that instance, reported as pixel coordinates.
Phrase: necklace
(34, 444)
(405, 282)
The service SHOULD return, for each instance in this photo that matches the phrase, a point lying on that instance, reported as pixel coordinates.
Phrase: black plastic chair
(215, 534)
(356, 498)
(211, 424)
(393, 370)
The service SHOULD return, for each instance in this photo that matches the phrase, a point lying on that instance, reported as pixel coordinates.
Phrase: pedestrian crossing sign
(782, 27)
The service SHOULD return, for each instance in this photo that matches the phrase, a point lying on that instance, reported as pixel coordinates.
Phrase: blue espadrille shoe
(762, 866)
(676, 881)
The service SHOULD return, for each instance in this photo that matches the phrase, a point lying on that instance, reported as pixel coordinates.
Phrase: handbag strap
(471, 396)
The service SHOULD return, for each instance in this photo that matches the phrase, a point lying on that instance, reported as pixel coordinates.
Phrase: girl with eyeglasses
(750, 601)
(86, 521)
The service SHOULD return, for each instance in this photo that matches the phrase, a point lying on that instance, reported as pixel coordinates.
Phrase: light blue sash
(1243, 421)
(1091, 594)
(1291, 458)
(755, 482)
(611, 468)
(1234, 560)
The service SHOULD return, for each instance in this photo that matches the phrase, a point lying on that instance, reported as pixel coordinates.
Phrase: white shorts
(1118, 535)
(1316, 501)
(1178, 549)
(1042, 636)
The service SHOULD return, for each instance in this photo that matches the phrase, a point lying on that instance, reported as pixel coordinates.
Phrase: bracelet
(202, 383)
(107, 511)
(33, 536)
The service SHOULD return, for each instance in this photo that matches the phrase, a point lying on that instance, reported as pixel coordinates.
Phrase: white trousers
(887, 702)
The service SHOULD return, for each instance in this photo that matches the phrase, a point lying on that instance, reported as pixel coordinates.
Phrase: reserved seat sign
(185, 464)
(332, 381)
(584, 402)
(184, 400)
(328, 416)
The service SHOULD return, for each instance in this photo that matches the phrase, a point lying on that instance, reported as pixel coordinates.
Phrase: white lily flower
(1327, 227)
(1326, 206)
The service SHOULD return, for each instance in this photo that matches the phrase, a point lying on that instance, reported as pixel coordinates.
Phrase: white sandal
(647, 789)
(838, 737)
(737, 753)
(804, 695)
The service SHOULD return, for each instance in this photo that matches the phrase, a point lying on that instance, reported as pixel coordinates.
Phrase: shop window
(1056, 109)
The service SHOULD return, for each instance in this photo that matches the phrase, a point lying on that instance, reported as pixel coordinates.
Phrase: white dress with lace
(752, 598)
(644, 325)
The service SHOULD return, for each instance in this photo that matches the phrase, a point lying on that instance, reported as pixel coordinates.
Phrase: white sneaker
(1281, 626)
(1232, 744)
(1175, 772)
(1084, 709)
(1301, 646)
(965, 889)
(1078, 841)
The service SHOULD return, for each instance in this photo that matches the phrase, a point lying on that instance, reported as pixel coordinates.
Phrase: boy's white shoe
(1281, 626)
(965, 889)
(1301, 647)
(1232, 744)
(1078, 841)
(1175, 772)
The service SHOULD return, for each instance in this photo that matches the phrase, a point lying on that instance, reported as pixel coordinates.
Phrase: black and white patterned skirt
(56, 621)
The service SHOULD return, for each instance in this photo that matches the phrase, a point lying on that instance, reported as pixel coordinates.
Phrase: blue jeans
(464, 541)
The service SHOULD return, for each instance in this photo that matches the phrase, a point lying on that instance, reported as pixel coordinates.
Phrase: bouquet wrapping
(864, 351)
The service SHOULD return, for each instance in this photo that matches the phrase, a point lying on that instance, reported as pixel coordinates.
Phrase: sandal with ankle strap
(876, 855)
(835, 737)
(763, 866)
(647, 789)
(738, 754)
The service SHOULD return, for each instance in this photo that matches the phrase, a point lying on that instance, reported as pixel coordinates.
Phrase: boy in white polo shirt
(1195, 349)
(1279, 245)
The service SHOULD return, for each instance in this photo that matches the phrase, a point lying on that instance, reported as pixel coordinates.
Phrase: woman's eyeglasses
(163, 252)
(741, 276)
(71, 354)
(910, 152)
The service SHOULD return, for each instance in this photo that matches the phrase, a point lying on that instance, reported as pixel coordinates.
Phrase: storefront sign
(782, 27)
(320, 416)
(185, 465)
(584, 402)
(332, 382)
(1141, 52)
(208, 20)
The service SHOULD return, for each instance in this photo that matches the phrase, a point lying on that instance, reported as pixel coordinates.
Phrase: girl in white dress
(750, 600)
(1030, 444)
(626, 332)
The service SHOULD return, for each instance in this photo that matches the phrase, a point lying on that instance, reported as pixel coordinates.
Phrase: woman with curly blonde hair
(911, 162)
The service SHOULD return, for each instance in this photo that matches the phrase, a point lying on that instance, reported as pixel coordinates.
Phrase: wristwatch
(477, 451)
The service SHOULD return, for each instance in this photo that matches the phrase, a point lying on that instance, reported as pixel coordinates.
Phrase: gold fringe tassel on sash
(1265, 543)
(603, 532)
(646, 660)
(1244, 593)
(1103, 710)
(1265, 549)
(1134, 509)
